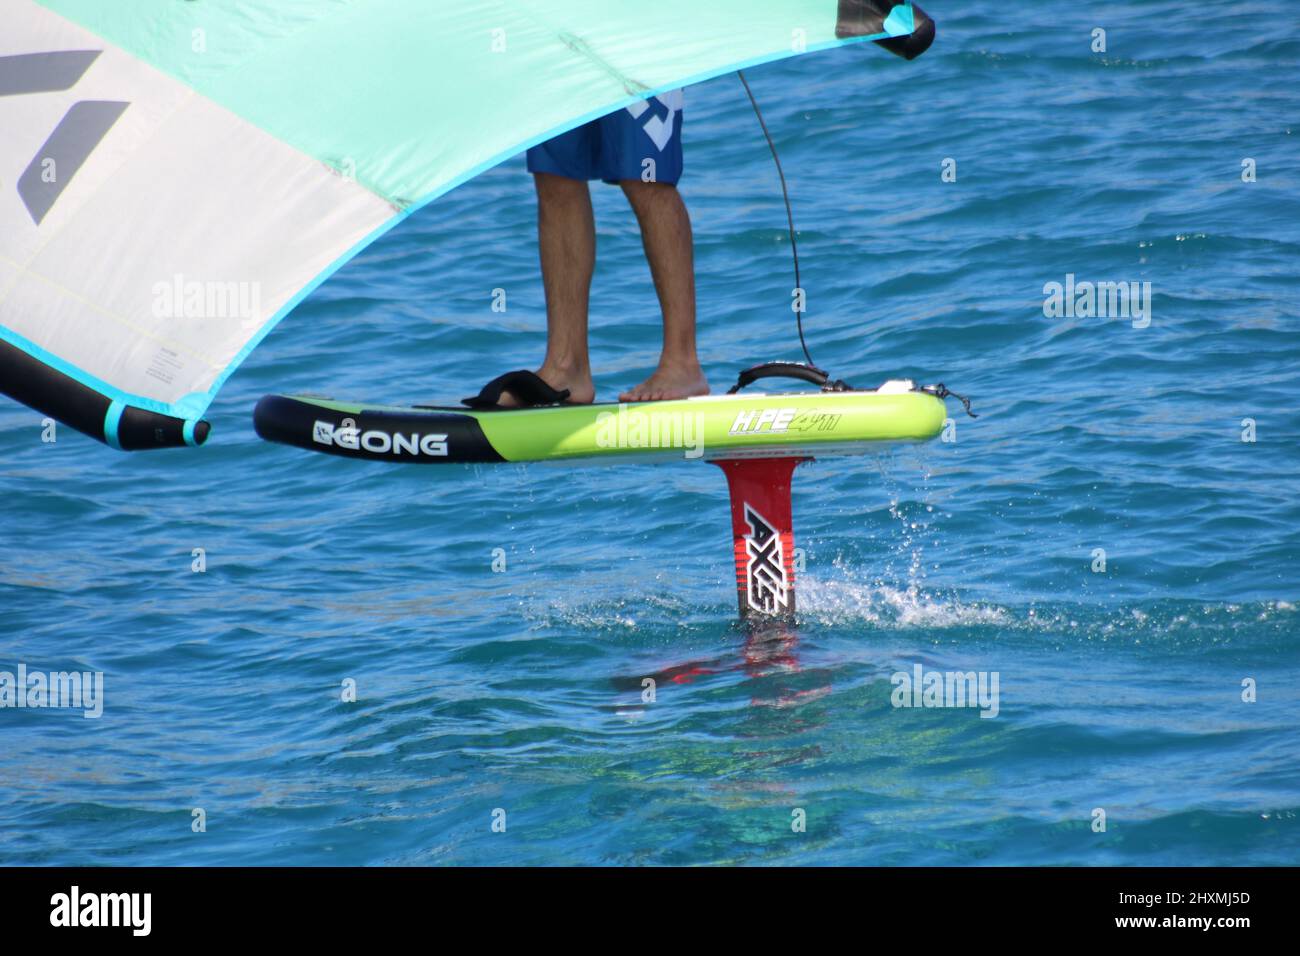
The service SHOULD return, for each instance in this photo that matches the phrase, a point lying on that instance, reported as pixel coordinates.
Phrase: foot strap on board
(527, 387)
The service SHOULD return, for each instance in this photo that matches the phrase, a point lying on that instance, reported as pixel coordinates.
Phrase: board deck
(709, 428)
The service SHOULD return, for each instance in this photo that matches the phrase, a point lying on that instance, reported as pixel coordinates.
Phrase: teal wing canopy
(176, 177)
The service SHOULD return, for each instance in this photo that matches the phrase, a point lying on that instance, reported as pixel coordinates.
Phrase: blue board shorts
(642, 142)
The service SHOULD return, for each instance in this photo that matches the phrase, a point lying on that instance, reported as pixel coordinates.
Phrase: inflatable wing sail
(176, 176)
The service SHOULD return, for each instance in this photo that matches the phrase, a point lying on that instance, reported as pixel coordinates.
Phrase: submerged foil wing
(176, 177)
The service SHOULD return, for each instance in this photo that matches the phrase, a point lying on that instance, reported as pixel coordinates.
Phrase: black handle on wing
(799, 370)
(864, 17)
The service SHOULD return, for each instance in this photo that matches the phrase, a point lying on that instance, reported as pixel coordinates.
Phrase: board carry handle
(799, 370)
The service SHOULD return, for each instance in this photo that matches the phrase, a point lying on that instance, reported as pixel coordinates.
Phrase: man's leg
(566, 240)
(666, 236)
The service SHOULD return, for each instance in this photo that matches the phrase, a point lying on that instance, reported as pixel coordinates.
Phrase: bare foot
(668, 382)
(582, 391)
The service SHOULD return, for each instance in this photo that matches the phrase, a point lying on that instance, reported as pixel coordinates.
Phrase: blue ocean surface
(1116, 537)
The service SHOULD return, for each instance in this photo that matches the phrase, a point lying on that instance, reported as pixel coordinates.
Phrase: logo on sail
(82, 128)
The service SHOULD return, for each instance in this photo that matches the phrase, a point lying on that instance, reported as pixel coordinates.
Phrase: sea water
(320, 661)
